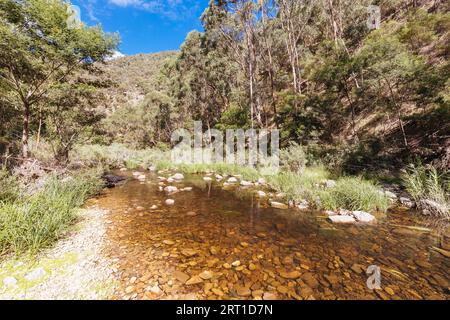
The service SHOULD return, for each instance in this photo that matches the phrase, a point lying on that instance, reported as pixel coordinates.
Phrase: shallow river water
(227, 244)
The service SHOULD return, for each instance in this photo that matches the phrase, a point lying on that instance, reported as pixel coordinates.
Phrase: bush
(34, 222)
(429, 189)
(293, 158)
(353, 193)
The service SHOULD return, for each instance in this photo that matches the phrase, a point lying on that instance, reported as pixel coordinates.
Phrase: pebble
(170, 202)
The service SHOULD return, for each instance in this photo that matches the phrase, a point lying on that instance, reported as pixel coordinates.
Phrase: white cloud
(173, 9)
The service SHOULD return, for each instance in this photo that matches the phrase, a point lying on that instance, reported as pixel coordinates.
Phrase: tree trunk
(25, 129)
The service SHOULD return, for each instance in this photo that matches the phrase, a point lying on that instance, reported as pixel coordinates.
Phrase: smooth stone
(139, 208)
(245, 183)
(136, 174)
(219, 177)
(261, 181)
(290, 275)
(282, 289)
(189, 252)
(236, 263)
(278, 205)
(207, 179)
(191, 214)
(206, 275)
(10, 281)
(342, 219)
(35, 274)
(261, 194)
(170, 189)
(389, 291)
(362, 216)
(178, 176)
(269, 296)
(390, 194)
(243, 291)
(123, 169)
(170, 202)
(194, 280)
(142, 177)
(187, 189)
(153, 207)
(232, 180)
(181, 276)
(331, 213)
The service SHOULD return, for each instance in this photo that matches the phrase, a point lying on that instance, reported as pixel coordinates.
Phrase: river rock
(430, 207)
(217, 292)
(170, 189)
(278, 205)
(187, 189)
(290, 275)
(236, 263)
(245, 183)
(151, 168)
(261, 194)
(390, 194)
(261, 181)
(10, 281)
(154, 207)
(206, 275)
(194, 280)
(342, 219)
(207, 179)
(303, 205)
(181, 276)
(35, 274)
(123, 169)
(364, 217)
(357, 268)
(406, 202)
(189, 252)
(232, 180)
(170, 202)
(136, 174)
(178, 176)
(170, 180)
(191, 214)
(142, 177)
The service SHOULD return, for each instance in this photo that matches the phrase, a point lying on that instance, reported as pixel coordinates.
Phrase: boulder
(342, 219)
(430, 207)
(362, 216)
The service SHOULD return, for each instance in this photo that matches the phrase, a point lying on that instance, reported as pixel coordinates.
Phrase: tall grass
(30, 223)
(429, 188)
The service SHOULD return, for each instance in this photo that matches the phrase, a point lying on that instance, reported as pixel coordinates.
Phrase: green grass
(32, 222)
(351, 193)
(428, 184)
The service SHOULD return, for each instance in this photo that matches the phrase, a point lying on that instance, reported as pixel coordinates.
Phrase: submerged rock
(278, 205)
(170, 202)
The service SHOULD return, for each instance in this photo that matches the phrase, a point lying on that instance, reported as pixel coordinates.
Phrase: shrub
(34, 222)
(9, 187)
(293, 158)
(429, 189)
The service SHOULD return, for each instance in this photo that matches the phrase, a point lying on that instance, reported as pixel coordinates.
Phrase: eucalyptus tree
(40, 48)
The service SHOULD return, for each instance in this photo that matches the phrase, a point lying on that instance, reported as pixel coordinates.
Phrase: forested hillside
(360, 99)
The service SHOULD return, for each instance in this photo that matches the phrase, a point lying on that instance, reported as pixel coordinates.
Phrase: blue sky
(144, 25)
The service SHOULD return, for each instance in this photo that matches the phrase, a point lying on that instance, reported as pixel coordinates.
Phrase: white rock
(187, 189)
(207, 179)
(331, 213)
(10, 281)
(280, 195)
(136, 174)
(219, 177)
(162, 178)
(153, 207)
(152, 168)
(261, 194)
(245, 183)
(170, 202)
(170, 180)
(362, 216)
(406, 202)
(161, 188)
(142, 177)
(342, 219)
(155, 289)
(170, 189)
(390, 194)
(35, 274)
(303, 205)
(262, 181)
(178, 176)
(232, 180)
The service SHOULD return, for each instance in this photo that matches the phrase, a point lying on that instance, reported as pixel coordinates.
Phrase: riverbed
(226, 243)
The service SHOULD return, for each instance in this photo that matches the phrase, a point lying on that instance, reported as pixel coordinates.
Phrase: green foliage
(34, 222)
(428, 184)
(293, 158)
(9, 187)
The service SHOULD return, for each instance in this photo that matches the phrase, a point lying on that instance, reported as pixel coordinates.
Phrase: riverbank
(74, 268)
